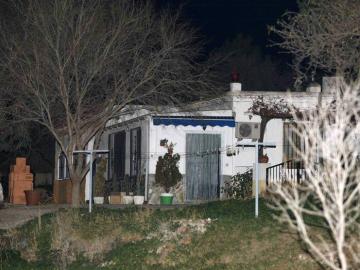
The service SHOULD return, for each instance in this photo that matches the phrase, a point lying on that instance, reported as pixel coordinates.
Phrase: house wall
(243, 159)
(234, 104)
(177, 135)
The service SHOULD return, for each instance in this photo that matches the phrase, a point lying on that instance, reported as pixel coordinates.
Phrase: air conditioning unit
(247, 130)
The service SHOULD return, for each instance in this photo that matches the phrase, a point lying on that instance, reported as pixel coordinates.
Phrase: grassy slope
(235, 240)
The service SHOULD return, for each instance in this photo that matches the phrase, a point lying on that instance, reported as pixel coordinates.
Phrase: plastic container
(166, 198)
(139, 200)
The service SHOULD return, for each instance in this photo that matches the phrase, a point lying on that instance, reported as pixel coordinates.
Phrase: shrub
(167, 172)
(240, 186)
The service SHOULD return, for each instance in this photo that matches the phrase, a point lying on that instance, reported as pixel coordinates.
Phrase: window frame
(62, 168)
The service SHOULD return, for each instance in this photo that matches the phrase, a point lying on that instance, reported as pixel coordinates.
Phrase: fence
(291, 171)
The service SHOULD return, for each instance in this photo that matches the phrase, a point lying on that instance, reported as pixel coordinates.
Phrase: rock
(182, 229)
(178, 192)
(186, 240)
(155, 195)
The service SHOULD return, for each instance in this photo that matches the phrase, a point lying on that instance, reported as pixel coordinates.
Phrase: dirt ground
(12, 216)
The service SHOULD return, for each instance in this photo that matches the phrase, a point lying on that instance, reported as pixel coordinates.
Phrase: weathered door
(202, 166)
(117, 143)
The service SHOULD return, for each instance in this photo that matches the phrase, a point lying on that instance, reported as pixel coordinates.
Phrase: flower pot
(139, 200)
(166, 198)
(99, 200)
(128, 199)
(32, 197)
(264, 159)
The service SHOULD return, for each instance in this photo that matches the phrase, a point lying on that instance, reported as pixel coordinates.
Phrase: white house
(205, 135)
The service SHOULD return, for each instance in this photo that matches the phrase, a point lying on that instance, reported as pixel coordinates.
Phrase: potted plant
(167, 173)
(99, 185)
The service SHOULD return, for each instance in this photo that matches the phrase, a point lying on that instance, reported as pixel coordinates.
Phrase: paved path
(12, 216)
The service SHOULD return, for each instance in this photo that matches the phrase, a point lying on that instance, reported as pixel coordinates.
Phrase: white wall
(239, 103)
(177, 135)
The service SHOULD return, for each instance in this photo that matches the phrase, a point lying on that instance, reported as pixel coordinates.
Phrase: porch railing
(291, 171)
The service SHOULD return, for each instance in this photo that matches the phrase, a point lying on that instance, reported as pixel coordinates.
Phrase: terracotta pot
(264, 159)
(32, 197)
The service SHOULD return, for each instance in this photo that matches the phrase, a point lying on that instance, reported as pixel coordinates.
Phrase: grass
(154, 239)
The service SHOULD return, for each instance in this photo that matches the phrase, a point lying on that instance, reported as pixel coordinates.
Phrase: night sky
(219, 20)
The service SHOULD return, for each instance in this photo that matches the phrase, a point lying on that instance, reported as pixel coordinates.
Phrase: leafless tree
(269, 108)
(74, 65)
(323, 36)
(330, 195)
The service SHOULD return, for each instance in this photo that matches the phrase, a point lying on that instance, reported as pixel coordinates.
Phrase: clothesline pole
(256, 145)
(91, 153)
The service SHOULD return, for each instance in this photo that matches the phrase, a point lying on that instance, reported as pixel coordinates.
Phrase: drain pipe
(147, 158)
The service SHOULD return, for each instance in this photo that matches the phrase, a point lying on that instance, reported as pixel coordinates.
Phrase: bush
(240, 186)
(167, 172)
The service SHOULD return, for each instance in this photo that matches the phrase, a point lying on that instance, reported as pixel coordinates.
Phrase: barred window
(63, 169)
(292, 141)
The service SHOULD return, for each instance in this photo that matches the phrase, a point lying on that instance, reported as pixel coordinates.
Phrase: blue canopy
(221, 121)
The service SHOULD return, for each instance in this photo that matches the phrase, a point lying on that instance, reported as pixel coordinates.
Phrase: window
(116, 170)
(292, 141)
(63, 170)
(135, 151)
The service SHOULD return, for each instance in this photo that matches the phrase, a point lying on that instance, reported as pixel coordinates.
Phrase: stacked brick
(20, 180)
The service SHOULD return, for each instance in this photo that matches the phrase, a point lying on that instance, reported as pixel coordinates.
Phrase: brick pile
(20, 180)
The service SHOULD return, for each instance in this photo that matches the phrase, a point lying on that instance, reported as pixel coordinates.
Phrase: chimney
(313, 87)
(331, 85)
(235, 85)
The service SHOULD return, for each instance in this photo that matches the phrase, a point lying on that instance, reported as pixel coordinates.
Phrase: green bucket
(166, 199)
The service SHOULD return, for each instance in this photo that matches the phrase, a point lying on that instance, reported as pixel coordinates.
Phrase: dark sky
(219, 20)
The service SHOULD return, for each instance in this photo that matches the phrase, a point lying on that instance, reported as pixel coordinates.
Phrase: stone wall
(155, 191)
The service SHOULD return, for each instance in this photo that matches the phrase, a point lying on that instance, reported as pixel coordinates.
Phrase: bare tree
(269, 108)
(75, 65)
(323, 36)
(330, 195)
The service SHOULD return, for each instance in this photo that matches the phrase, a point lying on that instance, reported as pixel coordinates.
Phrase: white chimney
(330, 85)
(235, 87)
(313, 87)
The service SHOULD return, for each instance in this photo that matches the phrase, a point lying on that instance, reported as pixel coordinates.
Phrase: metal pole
(91, 183)
(256, 173)
(256, 179)
(91, 152)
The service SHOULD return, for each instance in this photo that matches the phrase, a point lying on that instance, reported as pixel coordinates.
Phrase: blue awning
(222, 121)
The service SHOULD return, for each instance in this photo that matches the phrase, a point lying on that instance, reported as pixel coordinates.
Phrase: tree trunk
(75, 192)
(263, 123)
